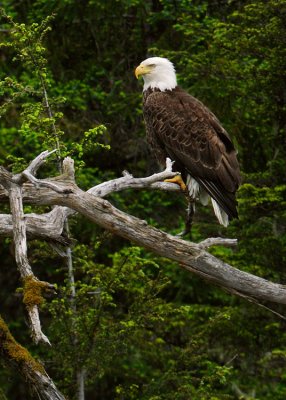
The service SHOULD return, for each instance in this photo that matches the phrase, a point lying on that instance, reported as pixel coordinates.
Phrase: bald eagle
(182, 128)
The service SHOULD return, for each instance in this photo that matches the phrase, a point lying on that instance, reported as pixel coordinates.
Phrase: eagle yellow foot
(179, 181)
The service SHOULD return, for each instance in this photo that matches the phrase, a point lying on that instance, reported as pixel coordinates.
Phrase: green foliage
(106, 313)
(120, 308)
(88, 144)
(36, 123)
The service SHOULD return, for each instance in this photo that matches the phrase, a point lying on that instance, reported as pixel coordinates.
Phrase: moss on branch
(13, 352)
(33, 291)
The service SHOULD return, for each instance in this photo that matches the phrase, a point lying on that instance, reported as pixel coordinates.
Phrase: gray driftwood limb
(20, 244)
(47, 226)
(190, 256)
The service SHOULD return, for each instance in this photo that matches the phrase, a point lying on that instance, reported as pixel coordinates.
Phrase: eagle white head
(157, 73)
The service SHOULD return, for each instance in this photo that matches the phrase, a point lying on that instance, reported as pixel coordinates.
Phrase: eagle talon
(179, 181)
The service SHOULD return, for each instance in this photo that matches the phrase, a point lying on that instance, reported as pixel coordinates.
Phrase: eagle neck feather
(163, 82)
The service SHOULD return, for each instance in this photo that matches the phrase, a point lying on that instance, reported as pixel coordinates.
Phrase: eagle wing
(181, 127)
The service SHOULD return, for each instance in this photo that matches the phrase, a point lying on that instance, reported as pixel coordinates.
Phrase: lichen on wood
(33, 290)
(14, 352)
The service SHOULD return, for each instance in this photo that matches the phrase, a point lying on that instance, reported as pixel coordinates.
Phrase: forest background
(143, 328)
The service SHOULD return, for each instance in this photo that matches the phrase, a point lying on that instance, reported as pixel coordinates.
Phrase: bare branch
(218, 241)
(19, 230)
(29, 173)
(190, 256)
(34, 165)
(48, 226)
(37, 187)
(129, 182)
(38, 161)
(43, 183)
(35, 324)
(20, 242)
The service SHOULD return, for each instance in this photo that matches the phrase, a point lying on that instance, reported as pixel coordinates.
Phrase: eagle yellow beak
(142, 70)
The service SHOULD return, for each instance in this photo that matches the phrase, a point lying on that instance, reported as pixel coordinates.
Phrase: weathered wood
(218, 241)
(152, 182)
(190, 256)
(19, 230)
(45, 188)
(48, 226)
(20, 244)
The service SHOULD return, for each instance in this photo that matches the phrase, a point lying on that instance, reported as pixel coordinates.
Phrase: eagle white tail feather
(220, 214)
(195, 192)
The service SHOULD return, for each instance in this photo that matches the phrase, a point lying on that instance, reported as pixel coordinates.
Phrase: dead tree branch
(154, 181)
(13, 185)
(48, 226)
(20, 242)
(190, 256)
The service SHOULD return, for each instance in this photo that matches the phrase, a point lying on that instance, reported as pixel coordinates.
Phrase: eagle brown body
(180, 127)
